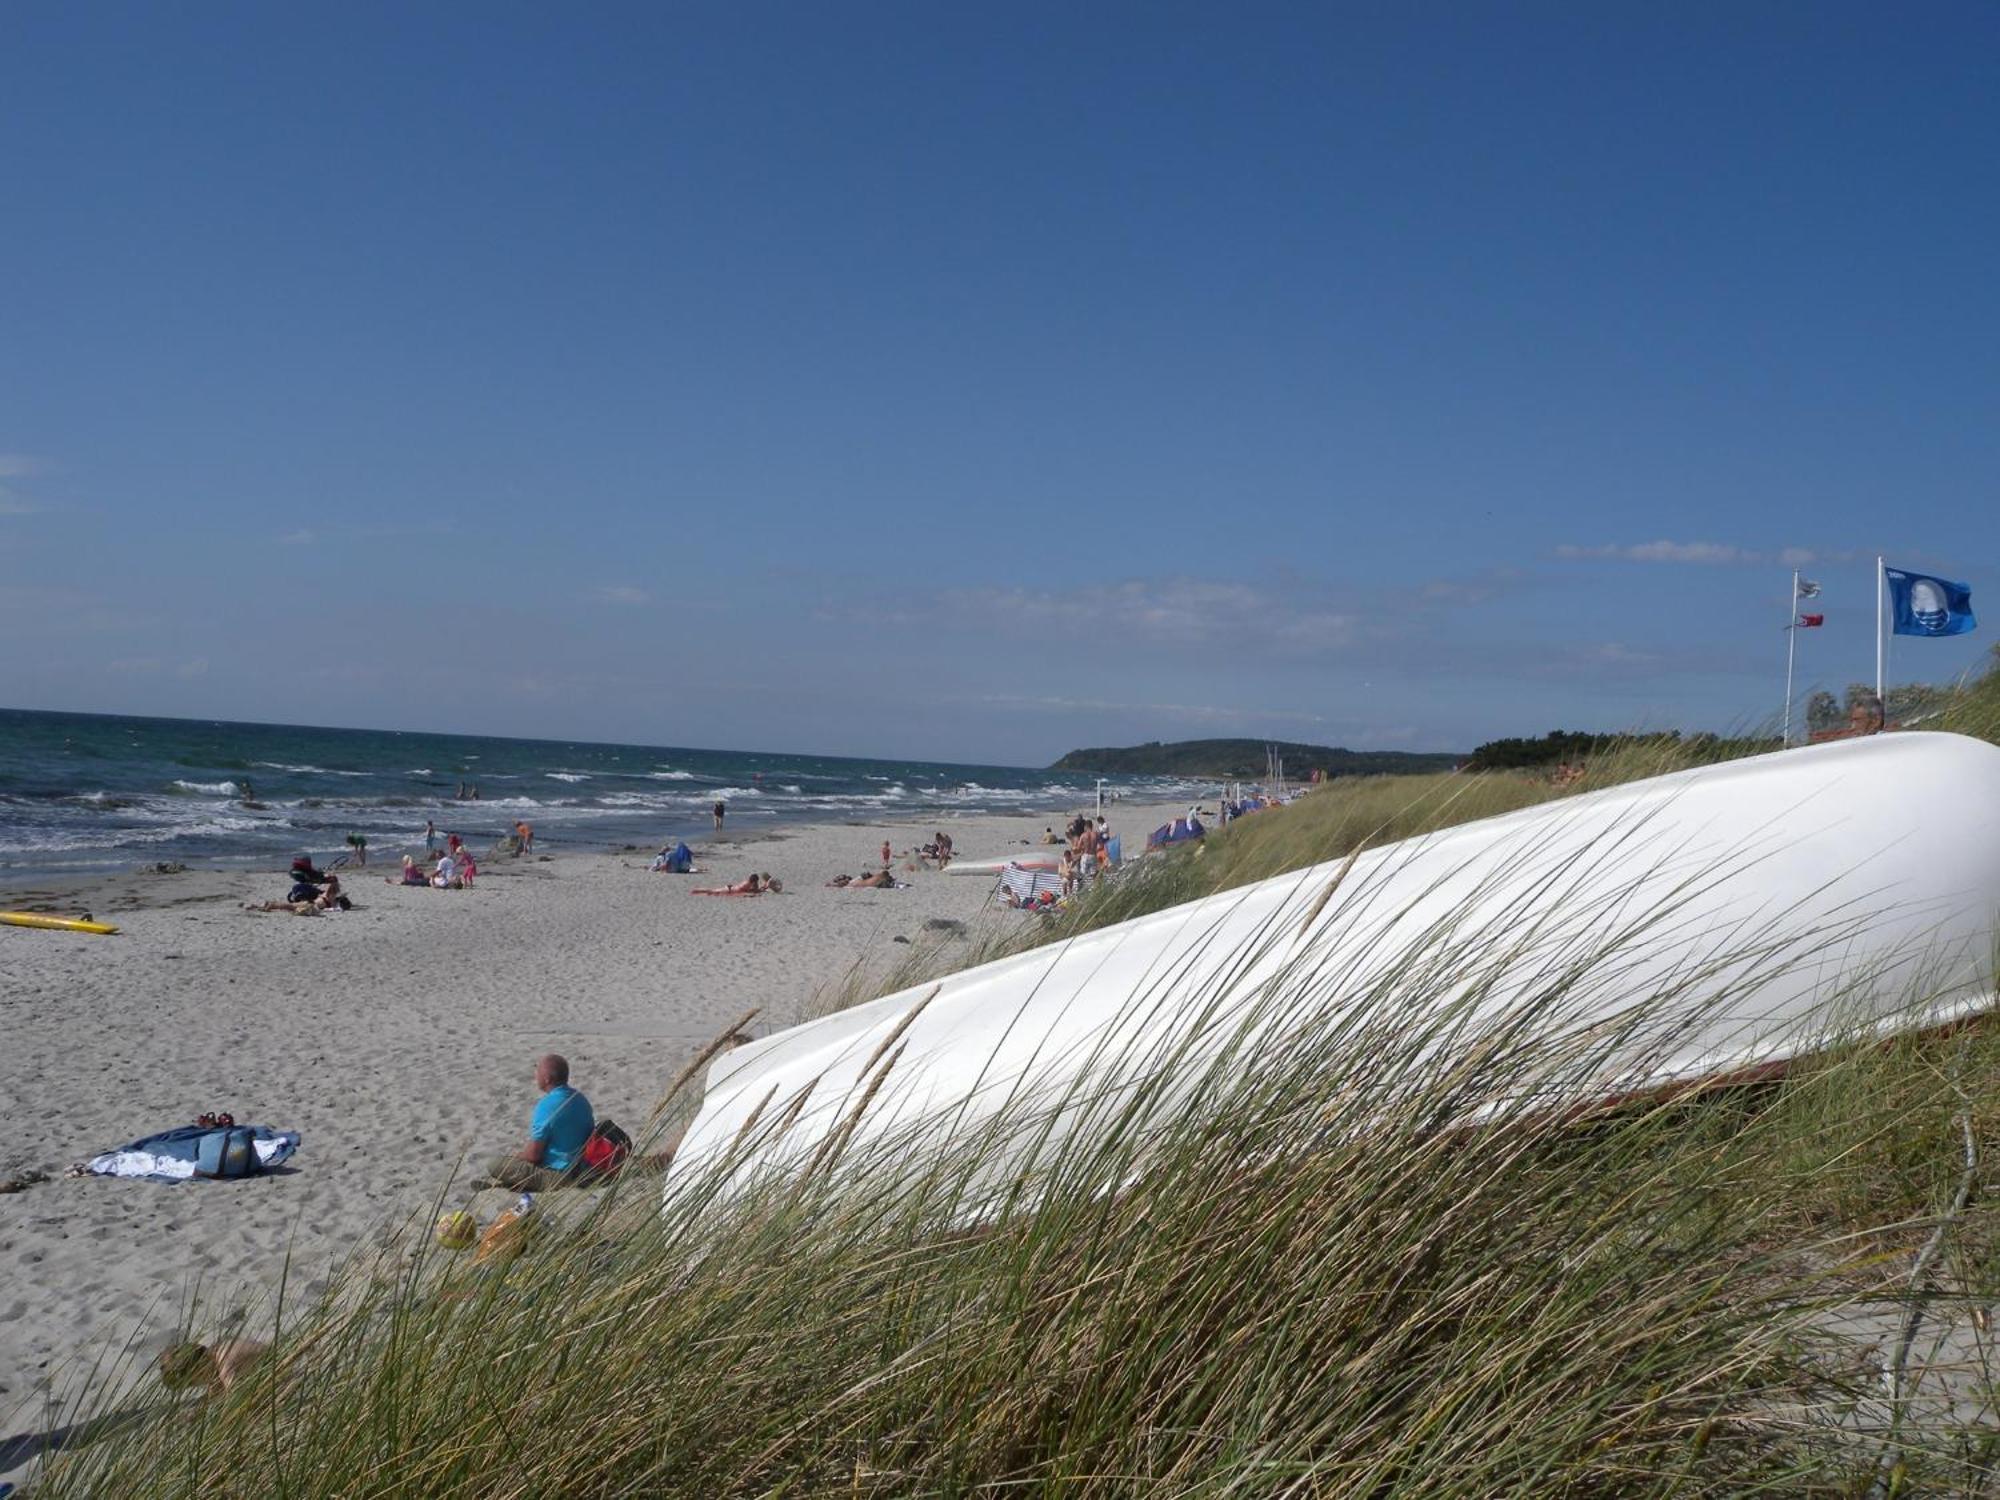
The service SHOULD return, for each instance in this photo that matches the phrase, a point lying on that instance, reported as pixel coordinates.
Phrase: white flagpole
(1791, 652)
(1881, 610)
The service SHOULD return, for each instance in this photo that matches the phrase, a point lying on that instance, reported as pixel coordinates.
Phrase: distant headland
(1246, 759)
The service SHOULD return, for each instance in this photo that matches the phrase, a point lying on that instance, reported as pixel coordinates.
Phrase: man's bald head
(552, 1071)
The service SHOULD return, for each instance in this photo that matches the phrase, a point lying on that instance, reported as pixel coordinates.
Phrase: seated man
(562, 1124)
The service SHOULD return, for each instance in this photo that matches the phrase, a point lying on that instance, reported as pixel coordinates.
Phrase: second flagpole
(1791, 653)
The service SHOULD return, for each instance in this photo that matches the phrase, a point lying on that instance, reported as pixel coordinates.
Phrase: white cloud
(1207, 713)
(1664, 551)
(620, 593)
(1183, 611)
(18, 466)
(1482, 587)
(153, 666)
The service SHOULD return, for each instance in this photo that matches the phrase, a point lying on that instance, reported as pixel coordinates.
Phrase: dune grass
(1308, 1281)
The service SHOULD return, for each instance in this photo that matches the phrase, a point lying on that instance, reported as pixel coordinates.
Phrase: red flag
(1811, 622)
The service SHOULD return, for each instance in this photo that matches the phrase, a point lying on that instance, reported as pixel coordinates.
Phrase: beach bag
(227, 1153)
(605, 1152)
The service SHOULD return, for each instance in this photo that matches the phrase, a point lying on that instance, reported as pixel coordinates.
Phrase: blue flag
(1923, 605)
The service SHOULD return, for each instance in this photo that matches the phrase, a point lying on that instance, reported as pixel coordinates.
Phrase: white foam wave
(209, 788)
(278, 765)
(54, 840)
(670, 775)
(569, 776)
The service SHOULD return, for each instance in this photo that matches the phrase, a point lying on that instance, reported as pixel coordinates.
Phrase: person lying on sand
(749, 885)
(330, 899)
(557, 1133)
(875, 880)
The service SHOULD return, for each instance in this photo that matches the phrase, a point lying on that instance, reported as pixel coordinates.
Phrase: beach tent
(1180, 831)
(1711, 924)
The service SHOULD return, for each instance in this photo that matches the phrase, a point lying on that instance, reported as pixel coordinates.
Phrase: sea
(89, 793)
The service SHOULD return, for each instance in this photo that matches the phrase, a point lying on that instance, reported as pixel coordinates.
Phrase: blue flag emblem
(1923, 605)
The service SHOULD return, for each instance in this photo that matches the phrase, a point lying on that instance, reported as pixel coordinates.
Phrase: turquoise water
(90, 792)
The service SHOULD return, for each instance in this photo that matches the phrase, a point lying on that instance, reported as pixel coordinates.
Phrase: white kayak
(991, 868)
(1749, 908)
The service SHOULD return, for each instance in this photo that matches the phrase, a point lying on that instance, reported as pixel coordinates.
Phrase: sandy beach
(397, 1038)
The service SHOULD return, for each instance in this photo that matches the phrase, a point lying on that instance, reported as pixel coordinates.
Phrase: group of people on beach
(313, 891)
(454, 870)
(1087, 853)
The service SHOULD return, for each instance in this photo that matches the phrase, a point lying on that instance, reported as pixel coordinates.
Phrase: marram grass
(1310, 1280)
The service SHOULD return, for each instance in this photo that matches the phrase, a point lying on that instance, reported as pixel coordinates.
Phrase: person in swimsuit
(719, 809)
(749, 885)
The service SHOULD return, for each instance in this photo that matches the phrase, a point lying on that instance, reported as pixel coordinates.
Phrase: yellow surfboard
(58, 924)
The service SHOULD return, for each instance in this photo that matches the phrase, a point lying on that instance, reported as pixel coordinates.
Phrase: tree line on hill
(1908, 704)
(1567, 746)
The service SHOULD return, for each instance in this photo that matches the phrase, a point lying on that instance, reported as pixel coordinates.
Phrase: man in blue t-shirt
(562, 1123)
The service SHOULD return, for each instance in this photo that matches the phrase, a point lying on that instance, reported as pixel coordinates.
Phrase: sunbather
(749, 885)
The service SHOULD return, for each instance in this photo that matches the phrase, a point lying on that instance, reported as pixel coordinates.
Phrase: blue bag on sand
(226, 1153)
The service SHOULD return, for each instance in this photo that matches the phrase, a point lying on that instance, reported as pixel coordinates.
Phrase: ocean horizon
(90, 793)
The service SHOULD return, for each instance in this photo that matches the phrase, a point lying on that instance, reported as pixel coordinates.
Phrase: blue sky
(974, 382)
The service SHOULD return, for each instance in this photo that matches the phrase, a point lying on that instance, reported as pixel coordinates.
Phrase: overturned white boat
(1684, 928)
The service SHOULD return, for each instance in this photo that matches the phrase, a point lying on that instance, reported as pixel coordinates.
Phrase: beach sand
(398, 1038)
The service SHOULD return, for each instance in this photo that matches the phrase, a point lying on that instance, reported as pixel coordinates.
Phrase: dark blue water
(87, 792)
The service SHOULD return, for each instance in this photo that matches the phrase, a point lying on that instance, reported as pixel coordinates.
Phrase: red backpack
(605, 1152)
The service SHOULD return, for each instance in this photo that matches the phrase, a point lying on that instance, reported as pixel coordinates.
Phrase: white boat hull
(1753, 905)
(991, 868)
